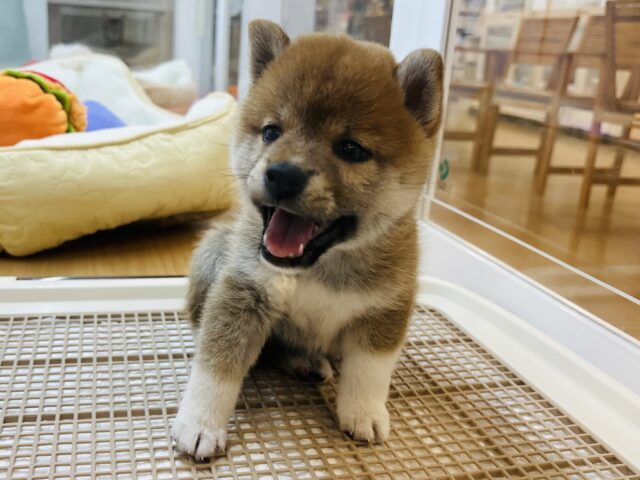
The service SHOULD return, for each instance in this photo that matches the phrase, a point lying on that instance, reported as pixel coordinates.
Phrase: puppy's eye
(271, 133)
(351, 151)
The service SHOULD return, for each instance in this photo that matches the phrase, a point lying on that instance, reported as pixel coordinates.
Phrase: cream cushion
(66, 186)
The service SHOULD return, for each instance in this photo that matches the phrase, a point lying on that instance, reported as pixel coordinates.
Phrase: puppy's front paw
(365, 421)
(200, 426)
(197, 437)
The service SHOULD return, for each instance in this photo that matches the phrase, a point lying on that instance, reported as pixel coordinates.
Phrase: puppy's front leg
(369, 355)
(234, 326)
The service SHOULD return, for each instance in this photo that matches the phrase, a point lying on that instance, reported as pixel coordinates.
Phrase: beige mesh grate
(93, 396)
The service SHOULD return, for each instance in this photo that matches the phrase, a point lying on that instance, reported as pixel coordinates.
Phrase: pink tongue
(286, 232)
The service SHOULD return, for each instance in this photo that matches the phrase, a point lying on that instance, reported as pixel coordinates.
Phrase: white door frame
(193, 38)
(418, 24)
(297, 17)
(222, 42)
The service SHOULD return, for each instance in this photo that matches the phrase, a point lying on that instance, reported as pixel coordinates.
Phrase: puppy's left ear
(267, 40)
(420, 75)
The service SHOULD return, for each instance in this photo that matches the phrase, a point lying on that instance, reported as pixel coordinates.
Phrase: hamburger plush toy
(33, 105)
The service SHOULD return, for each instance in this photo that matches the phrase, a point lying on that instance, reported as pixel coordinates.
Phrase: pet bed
(160, 165)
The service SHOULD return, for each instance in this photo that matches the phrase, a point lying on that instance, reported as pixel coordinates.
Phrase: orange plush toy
(33, 105)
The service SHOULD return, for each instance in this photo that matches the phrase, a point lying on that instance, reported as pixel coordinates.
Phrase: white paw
(364, 421)
(195, 437)
(200, 428)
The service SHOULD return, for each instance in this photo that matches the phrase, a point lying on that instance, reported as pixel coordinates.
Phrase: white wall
(418, 24)
(38, 28)
(298, 17)
(221, 57)
(423, 24)
(295, 16)
(193, 38)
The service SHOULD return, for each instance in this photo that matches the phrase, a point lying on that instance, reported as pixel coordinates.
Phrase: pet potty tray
(91, 373)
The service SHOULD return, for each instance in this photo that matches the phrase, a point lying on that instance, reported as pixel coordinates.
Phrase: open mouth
(290, 240)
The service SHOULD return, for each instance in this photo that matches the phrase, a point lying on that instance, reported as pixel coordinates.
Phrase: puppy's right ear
(267, 41)
(420, 76)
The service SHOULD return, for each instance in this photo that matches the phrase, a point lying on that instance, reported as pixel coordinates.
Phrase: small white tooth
(301, 249)
(291, 255)
(264, 239)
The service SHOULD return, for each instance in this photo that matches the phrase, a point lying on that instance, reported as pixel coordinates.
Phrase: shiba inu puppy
(331, 152)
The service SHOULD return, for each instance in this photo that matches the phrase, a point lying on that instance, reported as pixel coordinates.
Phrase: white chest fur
(318, 311)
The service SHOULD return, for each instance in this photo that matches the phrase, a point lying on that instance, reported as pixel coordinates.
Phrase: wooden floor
(604, 241)
(131, 251)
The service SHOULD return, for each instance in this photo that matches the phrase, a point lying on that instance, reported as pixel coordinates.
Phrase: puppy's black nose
(284, 180)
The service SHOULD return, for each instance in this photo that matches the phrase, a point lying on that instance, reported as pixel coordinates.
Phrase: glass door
(541, 146)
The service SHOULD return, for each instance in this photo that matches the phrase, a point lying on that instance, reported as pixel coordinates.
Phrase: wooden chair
(622, 47)
(588, 54)
(482, 92)
(541, 42)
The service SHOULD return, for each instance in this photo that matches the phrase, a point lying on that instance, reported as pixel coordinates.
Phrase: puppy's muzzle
(293, 237)
(284, 180)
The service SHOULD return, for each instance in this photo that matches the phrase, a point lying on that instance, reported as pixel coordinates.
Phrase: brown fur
(357, 298)
(322, 87)
(244, 320)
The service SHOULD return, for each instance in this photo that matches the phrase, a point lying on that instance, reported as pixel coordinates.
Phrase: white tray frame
(608, 409)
